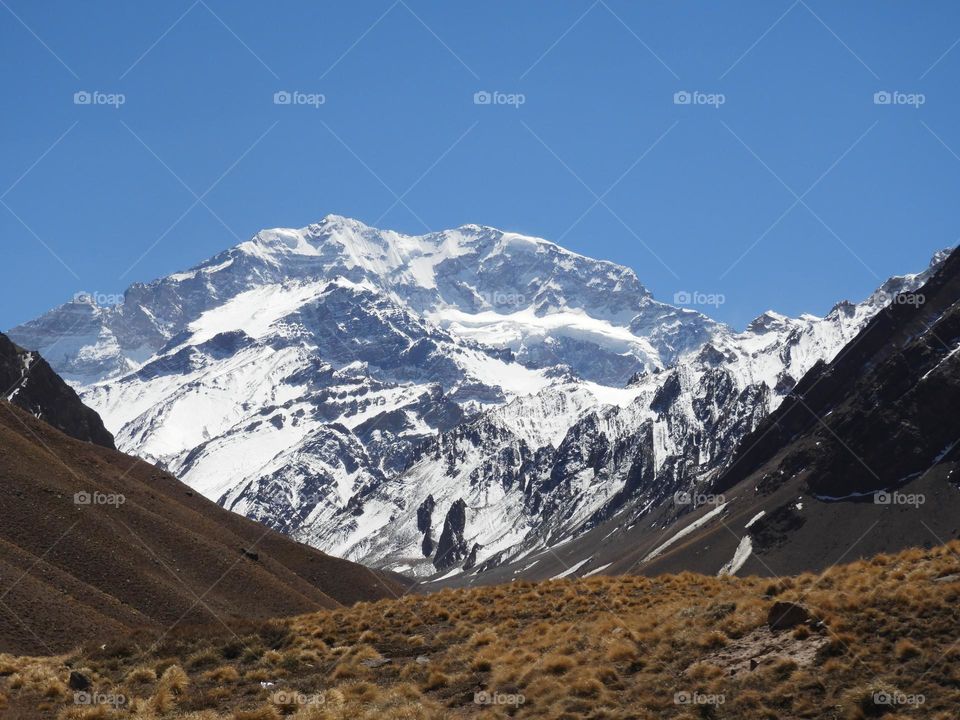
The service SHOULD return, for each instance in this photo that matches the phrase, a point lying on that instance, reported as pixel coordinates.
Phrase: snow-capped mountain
(428, 403)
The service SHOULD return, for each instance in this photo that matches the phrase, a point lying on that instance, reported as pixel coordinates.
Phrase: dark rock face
(776, 528)
(881, 412)
(452, 548)
(425, 522)
(29, 382)
(667, 394)
(426, 547)
(472, 557)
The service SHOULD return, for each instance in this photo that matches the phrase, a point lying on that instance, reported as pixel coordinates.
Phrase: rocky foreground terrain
(876, 638)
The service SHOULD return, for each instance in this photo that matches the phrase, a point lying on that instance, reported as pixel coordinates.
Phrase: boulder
(78, 681)
(784, 615)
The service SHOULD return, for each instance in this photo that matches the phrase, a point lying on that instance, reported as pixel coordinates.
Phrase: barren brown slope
(73, 572)
(871, 639)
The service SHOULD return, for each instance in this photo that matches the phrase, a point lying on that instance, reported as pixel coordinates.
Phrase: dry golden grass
(626, 647)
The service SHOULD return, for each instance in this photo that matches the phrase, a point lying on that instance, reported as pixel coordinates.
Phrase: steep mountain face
(548, 467)
(430, 403)
(861, 458)
(27, 381)
(887, 401)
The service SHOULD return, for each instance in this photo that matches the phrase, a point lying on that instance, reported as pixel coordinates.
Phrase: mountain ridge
(329, 379)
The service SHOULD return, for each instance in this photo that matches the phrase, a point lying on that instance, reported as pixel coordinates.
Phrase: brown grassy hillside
(94, 567)
(881, 640)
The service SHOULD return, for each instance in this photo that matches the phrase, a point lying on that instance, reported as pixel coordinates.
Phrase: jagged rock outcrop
(452, 548)
(425, 524)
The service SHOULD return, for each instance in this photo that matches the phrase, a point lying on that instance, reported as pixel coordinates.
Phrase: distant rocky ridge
(861, 458)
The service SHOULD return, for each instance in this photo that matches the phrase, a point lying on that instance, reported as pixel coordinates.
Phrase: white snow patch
(528, 566)
(597, 570)
(946, 357)
(572, 569)
(739, 557)
(687, 530)
(943, 453)
(455, 571)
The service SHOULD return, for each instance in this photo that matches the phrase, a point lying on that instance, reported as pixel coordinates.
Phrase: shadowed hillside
(96, 543)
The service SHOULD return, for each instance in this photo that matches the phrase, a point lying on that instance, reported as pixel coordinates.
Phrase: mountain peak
(767, 321)
(940, 256)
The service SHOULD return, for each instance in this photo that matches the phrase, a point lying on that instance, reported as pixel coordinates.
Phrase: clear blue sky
(110, 191)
